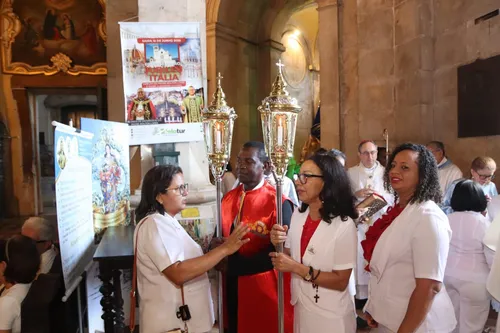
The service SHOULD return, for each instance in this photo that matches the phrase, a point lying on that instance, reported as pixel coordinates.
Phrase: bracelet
(315, 277)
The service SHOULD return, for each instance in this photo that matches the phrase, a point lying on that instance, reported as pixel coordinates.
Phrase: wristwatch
(309, 275)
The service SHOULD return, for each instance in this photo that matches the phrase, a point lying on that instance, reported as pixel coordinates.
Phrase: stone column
(329, 72)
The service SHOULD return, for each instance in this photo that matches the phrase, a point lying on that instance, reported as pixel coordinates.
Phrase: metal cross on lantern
(279, 113)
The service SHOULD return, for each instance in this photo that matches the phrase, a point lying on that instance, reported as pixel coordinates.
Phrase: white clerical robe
(494, 207)
(361, 178)
(448, 173)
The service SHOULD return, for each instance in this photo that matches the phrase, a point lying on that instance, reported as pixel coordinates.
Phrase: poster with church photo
(162, 73)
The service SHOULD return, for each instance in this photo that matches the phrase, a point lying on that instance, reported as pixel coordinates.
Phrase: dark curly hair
(428, 181)
(155, 182)
(337, 196)
(22, 258)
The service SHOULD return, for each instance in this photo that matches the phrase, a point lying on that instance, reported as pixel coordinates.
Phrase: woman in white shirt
(407, 249)
(171, 266)
(320, 249)
(467, 269)
(19, 265)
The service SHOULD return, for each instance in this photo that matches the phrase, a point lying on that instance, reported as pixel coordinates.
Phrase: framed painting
(52, 36)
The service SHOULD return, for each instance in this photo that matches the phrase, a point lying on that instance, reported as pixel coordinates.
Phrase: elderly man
(44, 232)
(447, 171)
(366, 178)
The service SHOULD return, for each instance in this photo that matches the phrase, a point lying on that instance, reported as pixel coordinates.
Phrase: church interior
(390, 71)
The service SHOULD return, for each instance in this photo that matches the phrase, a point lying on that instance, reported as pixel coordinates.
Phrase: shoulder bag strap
(133, 297)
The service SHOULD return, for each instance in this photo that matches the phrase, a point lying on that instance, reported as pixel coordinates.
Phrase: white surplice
(332, 247)
(415, 245)
(448, 173)
(361, 178)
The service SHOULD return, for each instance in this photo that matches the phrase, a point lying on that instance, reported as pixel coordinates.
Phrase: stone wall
(399, 71)
(459, 41)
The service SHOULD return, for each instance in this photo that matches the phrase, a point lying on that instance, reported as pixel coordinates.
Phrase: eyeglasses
(486, 177)
(368, 153)
(303, 177)
(182, 189)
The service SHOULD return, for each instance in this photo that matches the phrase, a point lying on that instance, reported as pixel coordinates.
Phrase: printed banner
(162, 72)
(110, 172)
(161, 133)
(73, 171)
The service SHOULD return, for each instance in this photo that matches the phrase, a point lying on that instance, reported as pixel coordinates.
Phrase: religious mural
(162, 73)
(48, 36)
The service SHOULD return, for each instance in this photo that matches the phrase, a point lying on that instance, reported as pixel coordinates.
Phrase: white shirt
(414, 246)
(494, 207)
(288, 188)
(162, 242)
(372, 178)
(332, 247)
(47, 260)
(10, 307)
(492, 243)
(466, 259)
(447, 173)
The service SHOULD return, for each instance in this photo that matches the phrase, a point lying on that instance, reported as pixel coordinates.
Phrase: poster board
(73, 172)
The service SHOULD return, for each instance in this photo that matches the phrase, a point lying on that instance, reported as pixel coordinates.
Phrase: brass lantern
(279, 112)
(218, 122)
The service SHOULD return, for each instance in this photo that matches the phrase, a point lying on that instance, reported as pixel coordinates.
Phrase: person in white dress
(447, 171)
(492, 243)
(19, 264)
(171, 266)
(482, 172)
(467, 268)
(366, 178)
(494, 207)
(320, 248)
(407, 253)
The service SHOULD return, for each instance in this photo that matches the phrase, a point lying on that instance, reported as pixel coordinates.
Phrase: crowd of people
(419, 264)
(425, 262)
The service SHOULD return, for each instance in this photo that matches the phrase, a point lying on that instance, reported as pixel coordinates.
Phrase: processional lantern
(218, 122)
(279, 112)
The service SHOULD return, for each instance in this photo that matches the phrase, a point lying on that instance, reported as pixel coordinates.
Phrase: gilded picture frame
(69, 38)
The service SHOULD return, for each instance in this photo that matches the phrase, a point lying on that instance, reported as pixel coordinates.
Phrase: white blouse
(414, 246)
(332, 247)
(162, 242)
(466, 259)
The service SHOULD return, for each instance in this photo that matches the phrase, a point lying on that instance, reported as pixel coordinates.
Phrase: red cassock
(257, 296)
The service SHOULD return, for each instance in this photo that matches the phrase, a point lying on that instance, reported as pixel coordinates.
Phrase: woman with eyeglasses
(482, 172)
(320, 248)
(19, 264)
(171, 266)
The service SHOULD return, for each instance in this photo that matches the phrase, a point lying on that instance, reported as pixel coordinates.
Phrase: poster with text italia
(73, 171)
(110, 172)
(162, 72)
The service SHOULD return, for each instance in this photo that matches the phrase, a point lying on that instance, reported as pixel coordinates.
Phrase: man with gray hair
(44, 233)
(447, 171)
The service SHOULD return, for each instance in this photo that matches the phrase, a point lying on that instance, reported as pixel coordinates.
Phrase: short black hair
(468, 196)
(261, 149)
(155, 182)
(439, 145)
(428, 181)
(337, 196)
(22, 258)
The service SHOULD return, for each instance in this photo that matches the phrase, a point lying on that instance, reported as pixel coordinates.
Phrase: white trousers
(471, 303)
(306, 321)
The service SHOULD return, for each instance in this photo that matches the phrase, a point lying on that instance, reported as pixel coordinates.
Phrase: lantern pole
(279, 112)
(218, 122)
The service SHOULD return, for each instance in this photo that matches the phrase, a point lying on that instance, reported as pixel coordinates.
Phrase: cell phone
(184, 313)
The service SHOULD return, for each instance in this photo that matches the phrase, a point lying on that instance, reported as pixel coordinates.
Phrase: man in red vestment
(251, 297)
